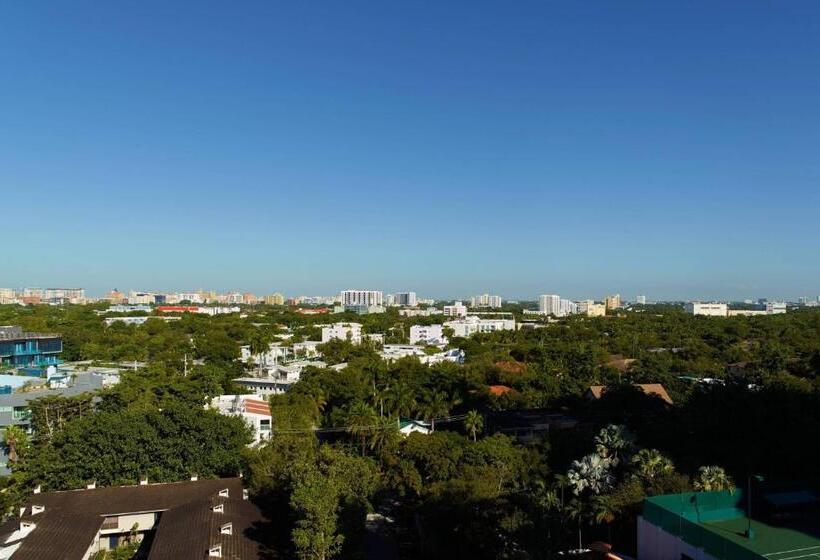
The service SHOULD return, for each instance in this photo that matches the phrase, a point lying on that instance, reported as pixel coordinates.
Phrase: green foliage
(119, 447)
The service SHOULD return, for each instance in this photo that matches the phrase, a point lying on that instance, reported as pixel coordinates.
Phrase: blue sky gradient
(579, 148)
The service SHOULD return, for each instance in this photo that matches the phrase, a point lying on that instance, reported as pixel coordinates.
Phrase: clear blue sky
(449, 148)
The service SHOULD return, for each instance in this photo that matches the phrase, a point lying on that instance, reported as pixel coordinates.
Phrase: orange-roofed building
(498, 390)
(595, 392)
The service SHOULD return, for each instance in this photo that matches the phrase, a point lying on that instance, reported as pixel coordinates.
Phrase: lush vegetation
(466, 490)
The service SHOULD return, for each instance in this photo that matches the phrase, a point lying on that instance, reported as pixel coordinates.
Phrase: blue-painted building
(20, 349)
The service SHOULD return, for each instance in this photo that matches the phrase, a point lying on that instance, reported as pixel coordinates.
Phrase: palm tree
(385, 433)
(591, 473)
(15, 439)
(436, 404)
(400, 400)
(614, 443)
(474, 423)
(361, 421)
(649, 464)
(379, 397)
(713, 479)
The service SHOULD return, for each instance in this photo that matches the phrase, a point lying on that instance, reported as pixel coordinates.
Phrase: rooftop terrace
(716, 522)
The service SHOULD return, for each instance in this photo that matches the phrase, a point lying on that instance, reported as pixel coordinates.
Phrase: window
(264, 425)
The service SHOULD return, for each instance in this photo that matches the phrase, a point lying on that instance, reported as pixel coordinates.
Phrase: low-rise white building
(351, 332)
(254, 411)
(775, 307)
(275, 354)
(392, 352)
(707, 309)
(427, 334)
(469, 326)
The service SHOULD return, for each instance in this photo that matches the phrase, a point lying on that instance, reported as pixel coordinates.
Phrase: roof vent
(38, 489)
(225, 493)
(35, 509)
(244, 493)
(218, 508)
(226, 529)
(194, 477)
(91, 485)
(215, 551)
(143, 481)
(27, 527)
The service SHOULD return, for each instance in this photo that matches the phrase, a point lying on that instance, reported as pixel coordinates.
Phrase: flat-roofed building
(707, 309)
(20, 349)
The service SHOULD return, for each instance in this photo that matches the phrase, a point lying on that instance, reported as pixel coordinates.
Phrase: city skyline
(450, 149)
(261, 294)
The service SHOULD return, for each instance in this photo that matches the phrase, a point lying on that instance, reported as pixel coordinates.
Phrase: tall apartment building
(485, 300)
(556, 306)
(407, 299)
(613, 302)
(362, 298)
(640, 300)
(275, 299)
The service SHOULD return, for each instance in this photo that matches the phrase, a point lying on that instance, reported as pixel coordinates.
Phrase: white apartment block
(458, 309)
(275, 354)
(427, 334)
(485, 300)
(366, 298)
(342, 331)
(472, 325)
(707, 309)
(640, 300)
(254, 411)
(556, 306)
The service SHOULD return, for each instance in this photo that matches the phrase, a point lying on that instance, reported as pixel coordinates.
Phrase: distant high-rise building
(362, 298)
(613, 302)
(275, 299)
(640, 300)
(408, 299)
(485, 300)
(556, 306)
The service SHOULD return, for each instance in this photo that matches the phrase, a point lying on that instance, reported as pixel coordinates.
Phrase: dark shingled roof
(186, 528)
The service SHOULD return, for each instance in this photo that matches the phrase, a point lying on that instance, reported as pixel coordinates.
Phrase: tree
(590, 474)
(614, 443)
(361, 421)
(436, 404)
(400, 400)
(474, 423)
(314, 500)
(16, 440)
(650, 465)
(713, 479)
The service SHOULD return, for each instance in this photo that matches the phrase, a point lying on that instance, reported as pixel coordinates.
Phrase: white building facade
(707, 309)
(365, 298)
(427, 334)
